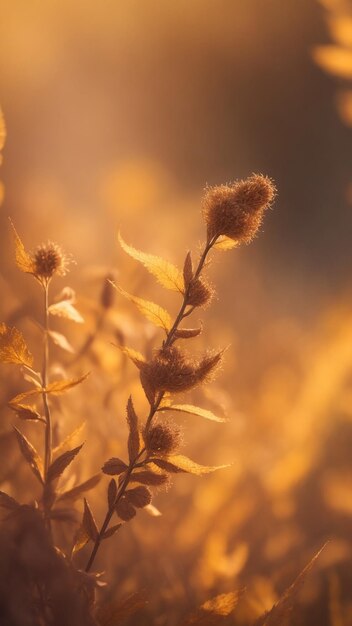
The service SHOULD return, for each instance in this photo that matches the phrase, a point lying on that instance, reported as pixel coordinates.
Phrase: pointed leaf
(179, 463)
(30, 454)
(77, 491)
(7, 502)
(24, 261)
(114, 466)
(81, 539)
(153, 312)
(188, 270)
(61, 341)
(13, 348)
(59, 465)
(59, 386)
(111, 531)
(70, 439)
(26, 394)
(112, 492)
(89, 522)
(194, 410)
(165, 272)
(133, 436)
(136, 357)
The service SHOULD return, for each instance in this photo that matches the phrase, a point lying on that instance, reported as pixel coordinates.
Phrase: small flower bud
(237, 210)
(199, 293)
(125, 510)
(162, 439)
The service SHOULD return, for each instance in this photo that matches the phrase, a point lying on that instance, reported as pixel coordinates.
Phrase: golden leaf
(136, 357)
(194, 410)
(178, 463)
(213, 610)
(133, 436)
(30, 454)
(187, 333)
(24, 260)
(153, 312)
(61, 341)
(25, 412)
(66, 309)
(70, 438)
(26, 394)
(225, 243)
(167, 274)
(89, 523)
(81, 539)
(335, 60)
(60, 386)
(13, 348)
(58, 466)
(2, 130)
(77, 491)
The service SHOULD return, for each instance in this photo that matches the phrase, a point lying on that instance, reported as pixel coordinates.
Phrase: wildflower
(237, 210)
(49, 259)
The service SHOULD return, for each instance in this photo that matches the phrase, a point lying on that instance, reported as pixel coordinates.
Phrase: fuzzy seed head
(237, 210)
(199, 293)
(171, 370)
(162, 439)
(139, 496)
(49, 259)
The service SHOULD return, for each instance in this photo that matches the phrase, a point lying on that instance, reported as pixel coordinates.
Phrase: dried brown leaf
(30, 454)
(188, 333)
(111, 531)
(112, 492)
(81, 539)
(114, 467)
(147, 477)
(187, 270)
(25, 412)
(58, 466)
(133, 436)
(7, 502)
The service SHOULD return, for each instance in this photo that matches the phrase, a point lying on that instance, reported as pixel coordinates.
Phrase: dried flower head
(139, 497)
(171, 370)
(237, 210)
(49, 259)
(162, 439)
(200, 293)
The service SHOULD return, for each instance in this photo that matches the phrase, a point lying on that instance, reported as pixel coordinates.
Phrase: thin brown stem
(153, 407)
(48, 424)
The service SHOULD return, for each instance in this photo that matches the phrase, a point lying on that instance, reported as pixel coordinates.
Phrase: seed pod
(48, 260)
(199, 293)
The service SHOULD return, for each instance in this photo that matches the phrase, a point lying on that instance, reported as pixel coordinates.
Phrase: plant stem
(153, 407)
(48, 424)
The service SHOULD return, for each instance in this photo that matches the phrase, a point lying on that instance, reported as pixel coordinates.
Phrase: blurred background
(118, 115)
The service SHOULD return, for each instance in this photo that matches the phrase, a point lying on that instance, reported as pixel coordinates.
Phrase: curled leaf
(30, 454)
(187, 333)
(13, 348)
(194, 410)
(178, 463)
(58, 466)
(153, 312)
(167, 274)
